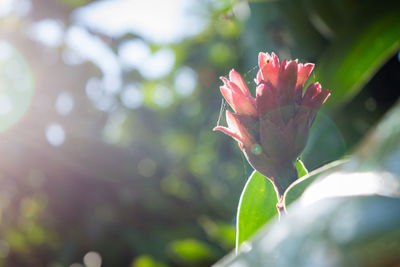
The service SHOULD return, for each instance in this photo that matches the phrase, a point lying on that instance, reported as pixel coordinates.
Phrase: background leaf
(257, 205)
(353, 58)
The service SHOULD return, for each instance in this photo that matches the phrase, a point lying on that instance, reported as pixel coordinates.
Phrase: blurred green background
(107, 107)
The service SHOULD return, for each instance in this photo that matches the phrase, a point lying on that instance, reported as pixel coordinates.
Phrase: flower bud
(272, 128)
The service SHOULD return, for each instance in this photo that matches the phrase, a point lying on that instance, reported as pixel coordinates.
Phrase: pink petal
(269, 68)
(232, 122)
(236, 88)
(236, 78)
(233, 127)
(267, 102)
(259, 77)
(262, 59)
(287, 82)
(227, 93)
(315, 96)
(224, 80)
(312, 90)
(237, 127)
(324, 95)
(303, 73)
(242, 104)
(321, 98)
(275, 59)
(283, 64)
(272, 140)
(228, 131)
(301, 126)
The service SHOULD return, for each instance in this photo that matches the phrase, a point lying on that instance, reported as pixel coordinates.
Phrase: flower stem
(286, 176)
(280, 206)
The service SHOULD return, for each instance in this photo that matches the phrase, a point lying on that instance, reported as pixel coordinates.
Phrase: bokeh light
(92, 259)
(55, 134)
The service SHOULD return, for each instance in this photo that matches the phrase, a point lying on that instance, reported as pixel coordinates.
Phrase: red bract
(272, 128)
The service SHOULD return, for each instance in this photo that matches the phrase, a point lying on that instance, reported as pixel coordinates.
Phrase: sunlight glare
(49, 32)
(343, 184)
(179, 18)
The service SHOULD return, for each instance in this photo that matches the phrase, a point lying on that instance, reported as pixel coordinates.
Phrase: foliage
(256, 206)
(349, 212)
(145, 182)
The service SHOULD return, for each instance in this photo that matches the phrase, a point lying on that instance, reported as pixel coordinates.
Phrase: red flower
(272, 129)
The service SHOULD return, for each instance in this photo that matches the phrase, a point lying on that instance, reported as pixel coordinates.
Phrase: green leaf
(301, 169)
(192, 251)
(257, 205)
(146, 261)
(350, 231)
(355, 57)
(296, 189)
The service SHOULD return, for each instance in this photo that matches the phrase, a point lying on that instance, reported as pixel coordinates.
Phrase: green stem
(284, 178)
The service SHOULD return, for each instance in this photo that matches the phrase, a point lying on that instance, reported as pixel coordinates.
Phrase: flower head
(272, 128)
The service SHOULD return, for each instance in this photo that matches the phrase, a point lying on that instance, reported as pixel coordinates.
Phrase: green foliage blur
(134, 175)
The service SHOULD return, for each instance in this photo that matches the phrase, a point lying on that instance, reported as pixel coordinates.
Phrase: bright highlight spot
(64, 103)
(17, 7)
(93, 89)
(185, 81)
(132, 97)
(157, 21)
(241, 10)
(92, 259)
(342, 184)
(136, 54)
(48, 32)
(6, 105)
(55, 134)
(256, 149)
(158, 64)
(92, 48)
(133, 52)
